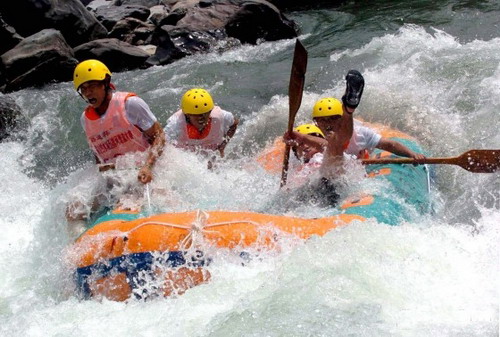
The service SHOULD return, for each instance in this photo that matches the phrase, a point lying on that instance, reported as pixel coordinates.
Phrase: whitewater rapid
(436, 275)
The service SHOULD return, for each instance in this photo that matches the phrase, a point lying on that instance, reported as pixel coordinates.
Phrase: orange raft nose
(163, 254)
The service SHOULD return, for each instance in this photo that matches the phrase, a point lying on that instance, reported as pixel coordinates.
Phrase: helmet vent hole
(196, 106)
(90, 69)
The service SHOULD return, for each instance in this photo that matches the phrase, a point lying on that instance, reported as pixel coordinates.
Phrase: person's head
(92, 80)
(303, 151)
(196, 104)
(327, 114)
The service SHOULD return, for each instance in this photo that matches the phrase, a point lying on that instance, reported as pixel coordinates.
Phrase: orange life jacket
(112, 135)
(209, 138)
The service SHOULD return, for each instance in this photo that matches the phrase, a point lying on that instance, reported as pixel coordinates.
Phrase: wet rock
(145, 3)
(116, 54)
(12, 120)
(110, 15)
(148, 48)
(157, 14)
(259, 20)
(166, 51)
(173, 17)
(248, 21)
(93, 5)
(196, 42)
(132, 31)
(211, 17)
(39, 59)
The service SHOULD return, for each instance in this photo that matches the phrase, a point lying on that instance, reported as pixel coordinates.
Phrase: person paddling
(116, 123)
(342, 133)
(200, 125)
(308, 152)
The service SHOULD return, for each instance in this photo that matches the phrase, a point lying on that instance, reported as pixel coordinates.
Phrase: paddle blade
(295, 88)
(480, 161)
(476, 161)
(297, 79)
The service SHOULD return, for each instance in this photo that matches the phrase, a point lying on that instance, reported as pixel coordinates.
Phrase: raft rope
(148, 197)
(195, 229)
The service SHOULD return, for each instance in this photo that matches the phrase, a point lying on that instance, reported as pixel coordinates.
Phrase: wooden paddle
(295, 88)
(477, 161)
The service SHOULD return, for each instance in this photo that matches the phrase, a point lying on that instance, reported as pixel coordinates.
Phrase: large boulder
(157, 14)
(166, 51)
(70, 17)
(116, 54)
(39, 59)
(199, 16)
(110, 15)
(12, 120)
(259, 20)
(246, 20)
(145, 3)
(133, 31)
(199, 42)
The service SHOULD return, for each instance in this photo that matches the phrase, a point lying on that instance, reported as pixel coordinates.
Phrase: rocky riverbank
(43, 40)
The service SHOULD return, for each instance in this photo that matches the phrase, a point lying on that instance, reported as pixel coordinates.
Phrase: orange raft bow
(115, 257)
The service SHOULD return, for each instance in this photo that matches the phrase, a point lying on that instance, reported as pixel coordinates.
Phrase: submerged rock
(12, 119)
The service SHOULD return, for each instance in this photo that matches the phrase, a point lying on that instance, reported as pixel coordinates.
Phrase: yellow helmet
(89, 70)
(327, 107)
(196, 101)
(309, 129)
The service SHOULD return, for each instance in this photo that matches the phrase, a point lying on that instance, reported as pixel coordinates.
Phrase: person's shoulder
(359, 127)
(133, 99)
(227, 116)
(223, 112)
(175, 117)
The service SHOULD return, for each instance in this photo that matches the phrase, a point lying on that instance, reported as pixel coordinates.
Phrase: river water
(431, 70)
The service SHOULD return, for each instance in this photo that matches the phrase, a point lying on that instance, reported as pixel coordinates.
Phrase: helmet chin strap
(83, 97)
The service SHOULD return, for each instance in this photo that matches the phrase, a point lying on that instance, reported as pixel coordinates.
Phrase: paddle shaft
(295, 89)
(443, 160)
(477, 161)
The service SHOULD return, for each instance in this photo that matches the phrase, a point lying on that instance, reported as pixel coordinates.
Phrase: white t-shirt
(363, 138)
(173, 127)
(137, 112)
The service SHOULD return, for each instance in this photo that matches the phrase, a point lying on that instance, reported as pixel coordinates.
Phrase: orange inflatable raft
(118, 256)
(129, 255)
